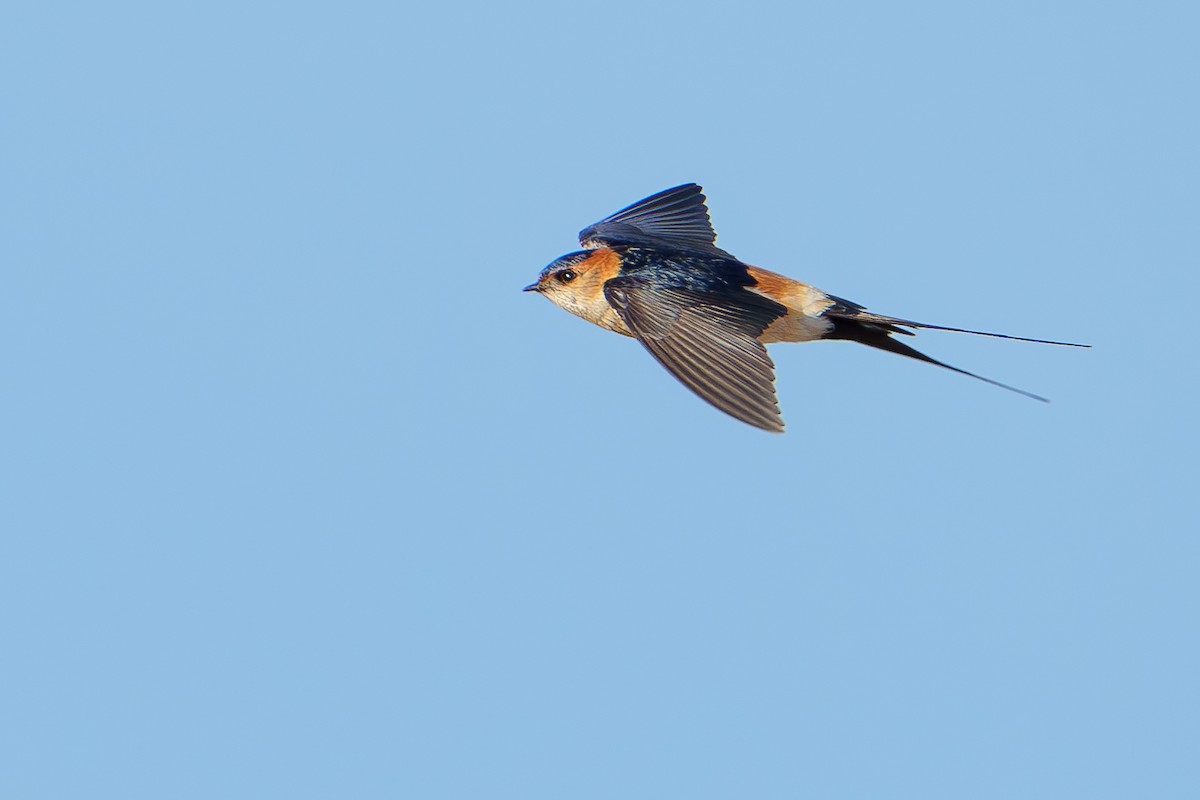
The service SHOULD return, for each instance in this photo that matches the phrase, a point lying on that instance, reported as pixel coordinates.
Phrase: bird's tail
(875, 330)
(890, 324)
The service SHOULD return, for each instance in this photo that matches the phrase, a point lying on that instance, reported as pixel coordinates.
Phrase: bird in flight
(653, 271)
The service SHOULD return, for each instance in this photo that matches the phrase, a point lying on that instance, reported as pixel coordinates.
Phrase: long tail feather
(877, 333)
(885, 342)
(879, 319)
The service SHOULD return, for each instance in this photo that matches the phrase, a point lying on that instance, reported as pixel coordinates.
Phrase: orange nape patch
(605, 263)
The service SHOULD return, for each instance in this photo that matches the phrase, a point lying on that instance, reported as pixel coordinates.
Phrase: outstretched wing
(708, 340)
(676, 218)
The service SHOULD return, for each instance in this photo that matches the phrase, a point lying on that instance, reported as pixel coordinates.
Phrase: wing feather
(676, 218)
(708, 341)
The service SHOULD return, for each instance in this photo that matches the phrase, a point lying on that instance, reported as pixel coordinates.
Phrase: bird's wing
(675, 218)
(708, 340)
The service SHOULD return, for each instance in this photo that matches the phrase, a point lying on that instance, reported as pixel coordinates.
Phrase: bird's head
(575, 282)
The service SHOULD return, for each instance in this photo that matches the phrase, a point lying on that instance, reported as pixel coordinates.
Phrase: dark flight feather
(707, 340)
(675, 219)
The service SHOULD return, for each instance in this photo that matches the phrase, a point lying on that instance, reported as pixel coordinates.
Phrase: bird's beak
(533, 287)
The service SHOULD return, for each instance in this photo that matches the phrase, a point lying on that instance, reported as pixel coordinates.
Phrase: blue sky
(304, 498)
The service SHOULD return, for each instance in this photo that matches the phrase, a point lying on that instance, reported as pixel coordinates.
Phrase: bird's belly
(795, 326)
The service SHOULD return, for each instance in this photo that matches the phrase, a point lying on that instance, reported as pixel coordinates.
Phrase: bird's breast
(606, 317)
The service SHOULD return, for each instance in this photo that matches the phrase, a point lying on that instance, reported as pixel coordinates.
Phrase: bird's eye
(566, 275)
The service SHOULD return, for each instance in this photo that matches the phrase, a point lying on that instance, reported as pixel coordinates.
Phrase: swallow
(653, 271)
